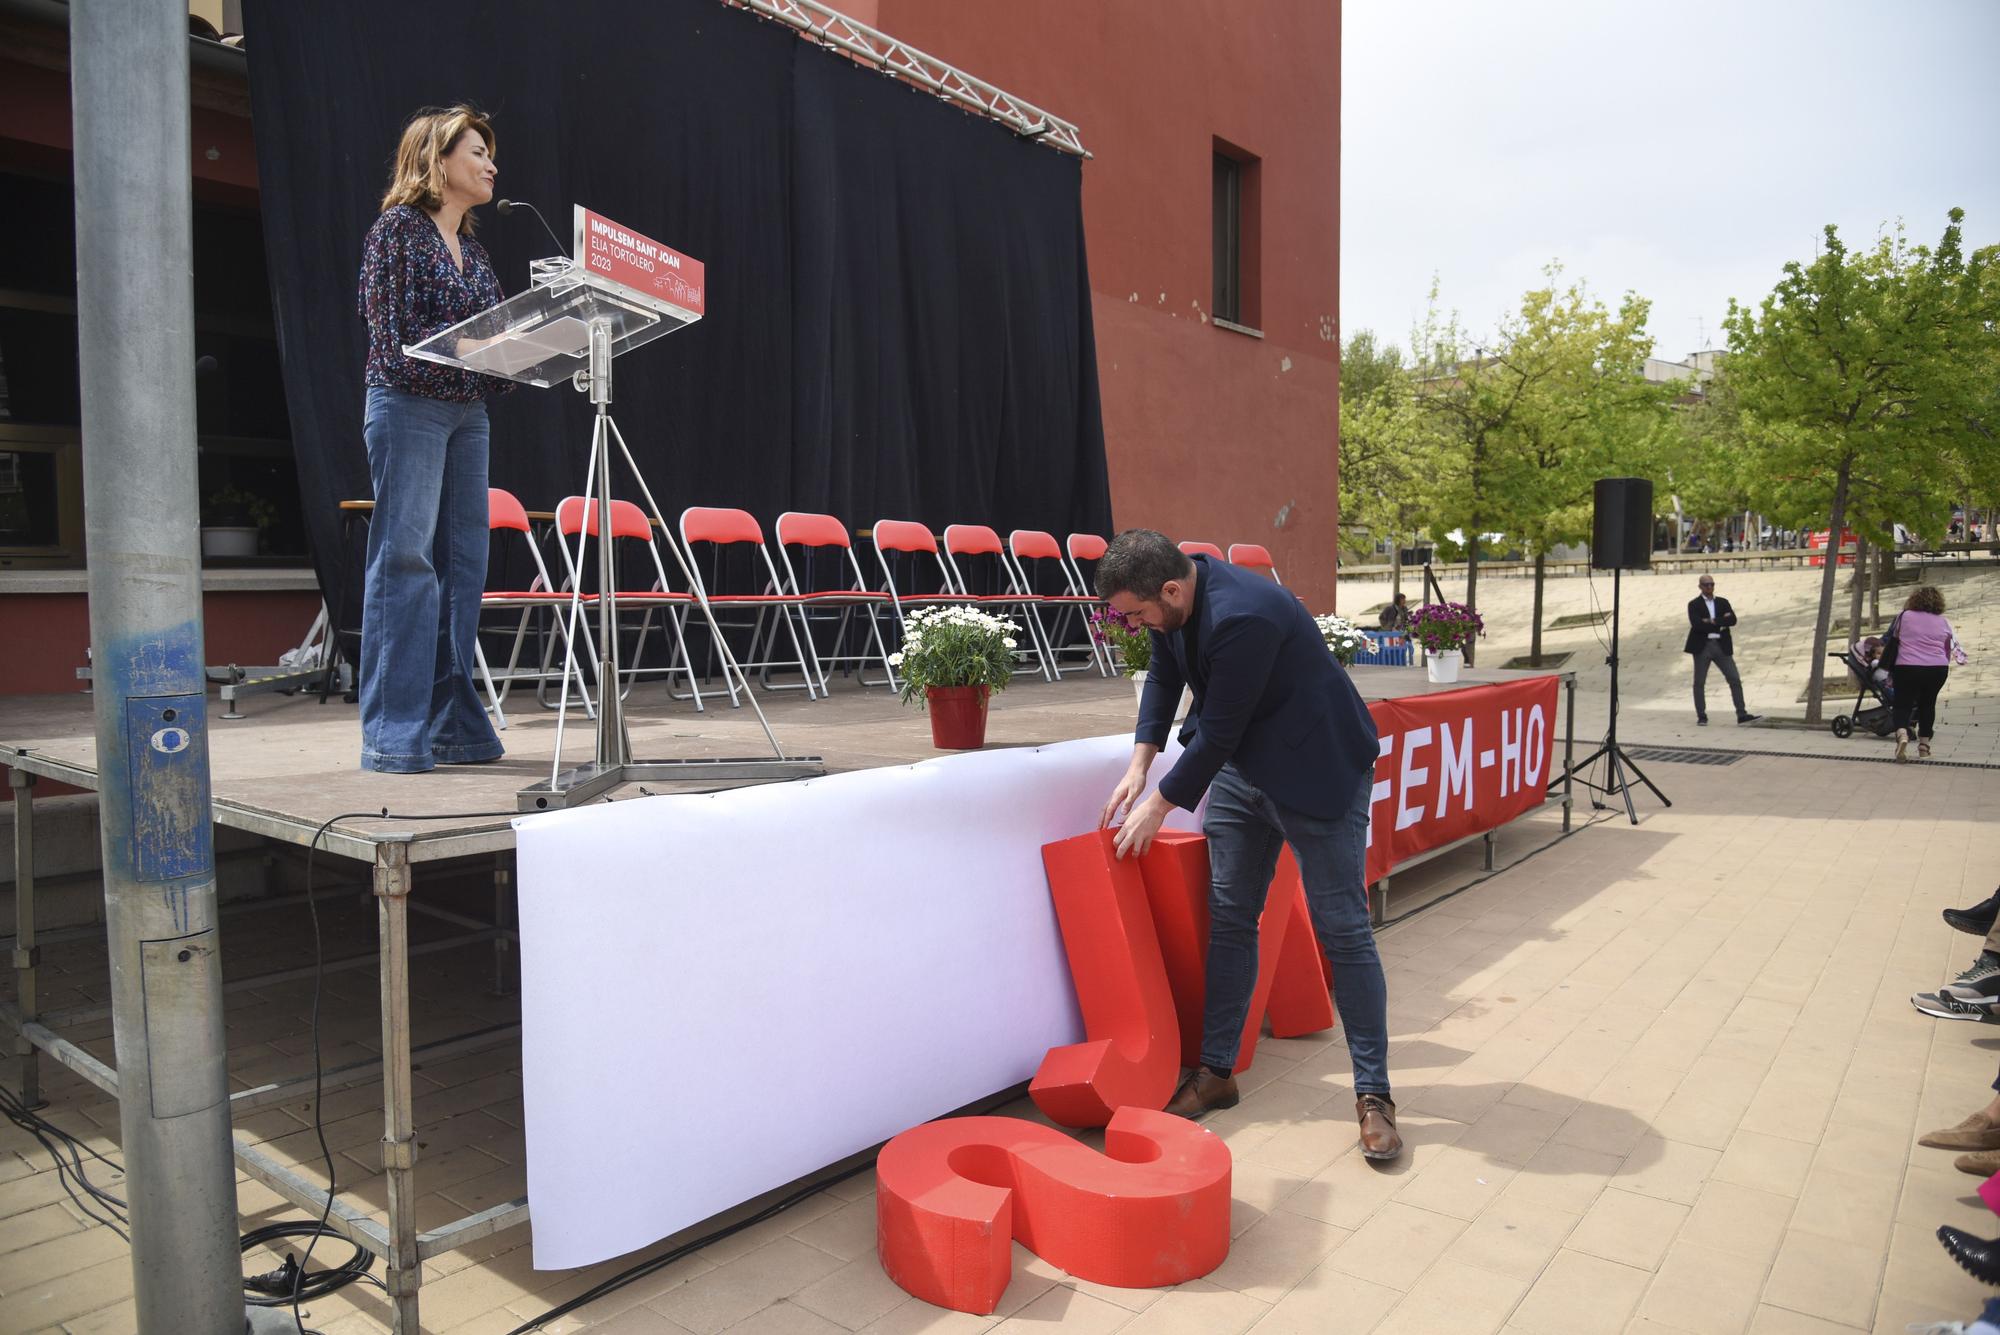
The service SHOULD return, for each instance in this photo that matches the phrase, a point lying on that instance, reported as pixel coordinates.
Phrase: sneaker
(1748, 718)
(1979, 983)
(1944, 1006)
(1701, 723)
(1902, 745)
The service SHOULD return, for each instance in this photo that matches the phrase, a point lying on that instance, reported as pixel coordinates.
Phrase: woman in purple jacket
(1925, 650)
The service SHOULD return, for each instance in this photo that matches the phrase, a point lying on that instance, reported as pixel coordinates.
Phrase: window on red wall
(1236, 199)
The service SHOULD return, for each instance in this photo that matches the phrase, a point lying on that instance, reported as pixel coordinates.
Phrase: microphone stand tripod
(1616, 762)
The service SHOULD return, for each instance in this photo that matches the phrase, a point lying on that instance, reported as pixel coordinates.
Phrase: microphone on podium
(509, 205)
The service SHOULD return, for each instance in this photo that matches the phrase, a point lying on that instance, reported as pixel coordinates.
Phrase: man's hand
(1126, 793)
(1135, 836)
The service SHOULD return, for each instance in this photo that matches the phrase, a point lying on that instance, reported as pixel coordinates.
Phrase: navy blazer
(1268, 695)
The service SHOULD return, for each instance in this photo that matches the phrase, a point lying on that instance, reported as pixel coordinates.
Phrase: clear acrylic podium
(568, 326)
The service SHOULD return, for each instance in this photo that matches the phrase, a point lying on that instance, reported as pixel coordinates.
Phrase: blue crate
(1387, 648)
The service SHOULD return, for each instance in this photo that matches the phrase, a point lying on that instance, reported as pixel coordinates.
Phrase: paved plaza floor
(1662, 1077)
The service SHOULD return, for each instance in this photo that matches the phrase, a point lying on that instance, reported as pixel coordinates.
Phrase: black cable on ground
(279, 1287)
(67, 1152)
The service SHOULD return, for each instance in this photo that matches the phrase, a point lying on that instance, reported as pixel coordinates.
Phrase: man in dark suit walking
(1282, 744)
(1709, 620)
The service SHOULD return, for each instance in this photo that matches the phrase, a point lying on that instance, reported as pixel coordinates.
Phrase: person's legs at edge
(405, 435)
(1729, 674)
(460, 731)
(1332, 858)
(1243, 844)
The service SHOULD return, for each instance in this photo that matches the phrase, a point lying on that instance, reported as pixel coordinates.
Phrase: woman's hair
(1926, 598)
(428, 140)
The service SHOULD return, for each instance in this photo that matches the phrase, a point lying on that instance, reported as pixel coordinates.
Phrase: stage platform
(445, 1082)
(293, 763)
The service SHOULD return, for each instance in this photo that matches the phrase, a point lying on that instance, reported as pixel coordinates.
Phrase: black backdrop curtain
(899, 309)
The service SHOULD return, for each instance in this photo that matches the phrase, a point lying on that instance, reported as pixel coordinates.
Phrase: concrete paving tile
(1456, 1297)
(1275, 1253)
(1564, 1177)
(1704, 1290)
(1667, 1169)
(787, 1318)
(1198, 1308)
(1767, 1163)
(1397, 1245)
(1626, 1227)
(1326, 1300)
(713, 1302)
(1580, 1295)
(1513, 1237)
(854, 1295)
(1824, 1277)
(1457, 1182)
(1069, 1309)
(1738, 1219)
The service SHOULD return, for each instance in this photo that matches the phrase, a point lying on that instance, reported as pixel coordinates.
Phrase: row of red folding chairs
(1029, 575)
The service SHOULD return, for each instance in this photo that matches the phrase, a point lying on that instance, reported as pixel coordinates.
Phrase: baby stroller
(1872, 683)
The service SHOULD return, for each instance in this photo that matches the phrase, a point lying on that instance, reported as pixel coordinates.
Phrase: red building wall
(1210, 434)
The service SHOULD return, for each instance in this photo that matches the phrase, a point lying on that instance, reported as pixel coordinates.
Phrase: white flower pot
(1444, 665)
(1187, 694)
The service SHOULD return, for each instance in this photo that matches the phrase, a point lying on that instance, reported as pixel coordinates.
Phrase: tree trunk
(1860, 582)
(1471, 587)
(1883, 558)
(1395, 566)
(1828, 577)
(1535, 637)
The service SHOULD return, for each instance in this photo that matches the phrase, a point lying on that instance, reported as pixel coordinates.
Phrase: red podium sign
(632, 259)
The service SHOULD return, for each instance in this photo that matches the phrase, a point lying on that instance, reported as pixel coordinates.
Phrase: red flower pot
(958, 716)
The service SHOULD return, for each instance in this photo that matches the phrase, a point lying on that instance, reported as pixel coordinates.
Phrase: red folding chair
(1081, 547)
(972, 541)
(1251, 556)
(505, 514)
(1208, 549)
(822, 541)
(722, 530)
(578, 514)
(1030, 549)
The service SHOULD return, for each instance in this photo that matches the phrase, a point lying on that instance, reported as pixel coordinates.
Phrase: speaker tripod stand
(1619, 771)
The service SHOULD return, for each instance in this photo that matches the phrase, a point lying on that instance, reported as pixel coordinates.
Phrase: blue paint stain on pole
(170, 835)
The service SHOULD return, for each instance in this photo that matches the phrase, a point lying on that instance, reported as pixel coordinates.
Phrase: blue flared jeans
(1246, 830)
(427, 543)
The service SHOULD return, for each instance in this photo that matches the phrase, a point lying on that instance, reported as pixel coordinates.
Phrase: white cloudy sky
(1683, 152)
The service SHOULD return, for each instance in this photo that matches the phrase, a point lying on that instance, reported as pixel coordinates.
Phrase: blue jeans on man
(427, 544)
(1246, 830)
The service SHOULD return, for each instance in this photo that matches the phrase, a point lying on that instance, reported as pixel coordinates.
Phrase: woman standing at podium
(426, 432)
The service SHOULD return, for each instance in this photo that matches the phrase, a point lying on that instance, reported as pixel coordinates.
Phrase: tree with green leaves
(1386, 442)
(1865, 381)
(1559, 400)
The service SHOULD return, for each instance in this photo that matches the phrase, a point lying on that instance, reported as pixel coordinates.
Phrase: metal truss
(817, 23)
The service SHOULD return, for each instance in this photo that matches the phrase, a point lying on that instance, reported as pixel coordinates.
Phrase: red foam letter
(1300, 1001)
(1132, 1056)
(1153, 1209)
(1176, 873)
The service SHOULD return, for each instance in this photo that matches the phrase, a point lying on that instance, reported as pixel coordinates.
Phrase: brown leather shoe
(1984, 1163)
(1379, 1137)
(1974, 1133)
(1202, 1093)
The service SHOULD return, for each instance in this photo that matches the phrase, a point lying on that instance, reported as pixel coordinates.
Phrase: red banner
(1455, 763)
(612, 251)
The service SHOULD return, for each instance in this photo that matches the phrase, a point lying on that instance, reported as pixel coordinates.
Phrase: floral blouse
(410, 289)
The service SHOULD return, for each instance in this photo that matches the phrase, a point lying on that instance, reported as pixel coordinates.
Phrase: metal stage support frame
(393, 861)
